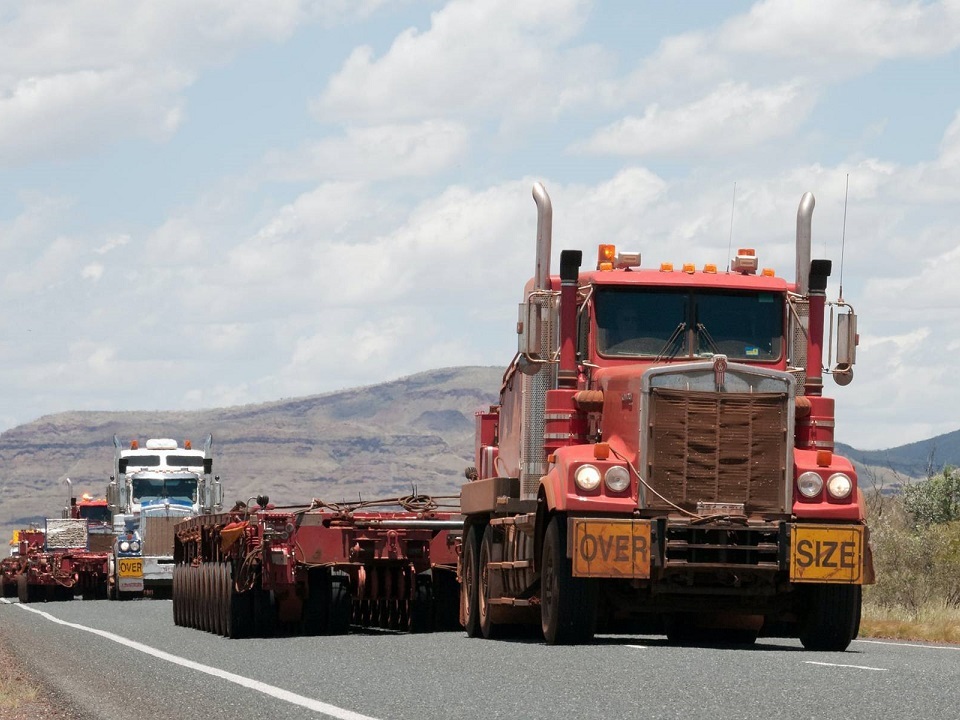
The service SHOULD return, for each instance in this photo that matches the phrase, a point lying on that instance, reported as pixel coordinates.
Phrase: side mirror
(537, 327)
(846, 348)
(217, 493)
(112, 495)
(122, 500)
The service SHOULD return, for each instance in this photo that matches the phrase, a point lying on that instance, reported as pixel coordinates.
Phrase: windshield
(664, 323)
(97, 513)
(146, 489)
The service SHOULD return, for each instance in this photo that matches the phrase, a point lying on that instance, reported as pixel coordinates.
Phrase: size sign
(826, 554)
(611, 548)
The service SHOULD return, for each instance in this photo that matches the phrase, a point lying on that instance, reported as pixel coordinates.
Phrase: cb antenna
(843, 234)
(733, 205)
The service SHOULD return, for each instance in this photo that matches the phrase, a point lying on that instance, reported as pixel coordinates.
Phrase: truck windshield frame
(689, 323)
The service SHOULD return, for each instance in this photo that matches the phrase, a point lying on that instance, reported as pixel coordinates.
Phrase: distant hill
(376, 441)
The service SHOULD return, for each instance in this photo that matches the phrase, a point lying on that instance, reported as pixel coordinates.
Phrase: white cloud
(93, 271)
(731, 118)
(498, 57)
(375, 153)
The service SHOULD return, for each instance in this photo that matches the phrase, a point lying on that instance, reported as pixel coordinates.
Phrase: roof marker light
(689, 268)
(710, 268)
(666, 267)
(768, 272)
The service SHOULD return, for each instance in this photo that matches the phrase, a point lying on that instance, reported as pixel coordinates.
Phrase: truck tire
(24, 593)
(313, 614)
(488, 628)
(469, 611)
(421, 606)
(568, 605)
(832, 616)
(175, 596)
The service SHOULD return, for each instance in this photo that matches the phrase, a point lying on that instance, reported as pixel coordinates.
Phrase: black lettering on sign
(846, 554)
(605, 547)
(623, 542)
(640, 547)
(804, 556)
(825, 553)
(588, 547)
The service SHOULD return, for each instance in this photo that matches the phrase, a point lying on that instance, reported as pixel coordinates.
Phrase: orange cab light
(666, 267)
(134, 444)
(551, 458)
(710, 268)
(605, 267)
(601, 451)
(606, 254)
(747, 251)
(187, 445)
(824, 458)
(689, 268)
(768, 272)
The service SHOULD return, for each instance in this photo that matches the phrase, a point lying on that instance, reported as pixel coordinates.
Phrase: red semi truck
(662, 456)
(318, 569)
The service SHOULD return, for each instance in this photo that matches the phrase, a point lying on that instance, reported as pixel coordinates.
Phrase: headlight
(839, 486)
(587, 477)
(124, 546)
(810, 484)
(617, 478)
(135, 546)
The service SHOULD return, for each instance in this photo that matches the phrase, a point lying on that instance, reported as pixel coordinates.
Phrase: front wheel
(831, 616)
(568, 605)
(469, 610)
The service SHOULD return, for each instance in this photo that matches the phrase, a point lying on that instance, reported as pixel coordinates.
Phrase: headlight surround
(810, 484)
(124, 546)
(839, 485)
(617, 478)
(135, 546)
(587, 477)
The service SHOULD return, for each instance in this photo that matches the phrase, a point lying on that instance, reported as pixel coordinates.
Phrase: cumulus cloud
(732, 117)
(499, 57)
(375, 153)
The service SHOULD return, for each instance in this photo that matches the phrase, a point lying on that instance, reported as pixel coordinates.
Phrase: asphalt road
(128, 660)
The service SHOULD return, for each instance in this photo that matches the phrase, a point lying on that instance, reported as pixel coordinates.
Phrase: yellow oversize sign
(611, 548)
(130, 567)
(826, 554)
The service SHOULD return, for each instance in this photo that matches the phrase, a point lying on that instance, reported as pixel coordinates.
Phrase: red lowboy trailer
(58, 562)
(318, 569)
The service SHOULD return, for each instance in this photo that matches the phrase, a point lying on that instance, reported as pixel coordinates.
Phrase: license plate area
(610, 548)
(826, 554)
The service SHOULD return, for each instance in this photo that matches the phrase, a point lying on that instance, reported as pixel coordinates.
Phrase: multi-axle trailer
(319, 569)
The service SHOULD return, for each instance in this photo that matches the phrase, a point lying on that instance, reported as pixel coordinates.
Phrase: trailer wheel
(469, 610)
(831, 619)
(488, 627)
(568, 605)
(313, 614)
(24, 593)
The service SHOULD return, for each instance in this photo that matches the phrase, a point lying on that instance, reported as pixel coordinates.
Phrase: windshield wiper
(671, 341)
(702, 330)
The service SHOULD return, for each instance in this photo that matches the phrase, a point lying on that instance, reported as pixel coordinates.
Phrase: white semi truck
(152, 488)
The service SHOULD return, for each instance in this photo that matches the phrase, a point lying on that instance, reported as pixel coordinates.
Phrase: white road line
(638, 647)
(913, 645)
(857, 667)
(272, 691)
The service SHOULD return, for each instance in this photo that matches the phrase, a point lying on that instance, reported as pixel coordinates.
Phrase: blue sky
(207, 204)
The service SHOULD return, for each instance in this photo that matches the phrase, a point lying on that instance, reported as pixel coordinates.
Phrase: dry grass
(16, 689)
(931, 623)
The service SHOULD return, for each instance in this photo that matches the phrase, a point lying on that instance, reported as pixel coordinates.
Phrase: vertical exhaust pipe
(804, 241)
(544, 236)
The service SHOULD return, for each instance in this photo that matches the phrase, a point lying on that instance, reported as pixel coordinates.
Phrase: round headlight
(587, 477)
(839, 486)
(617, 478)
(810, 484)
(124, 546)
(135, 546)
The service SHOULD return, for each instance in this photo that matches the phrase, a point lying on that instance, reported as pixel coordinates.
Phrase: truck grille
(158, 535)
(717, 447)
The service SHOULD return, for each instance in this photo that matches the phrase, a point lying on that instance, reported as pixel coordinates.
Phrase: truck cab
(153, 488)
